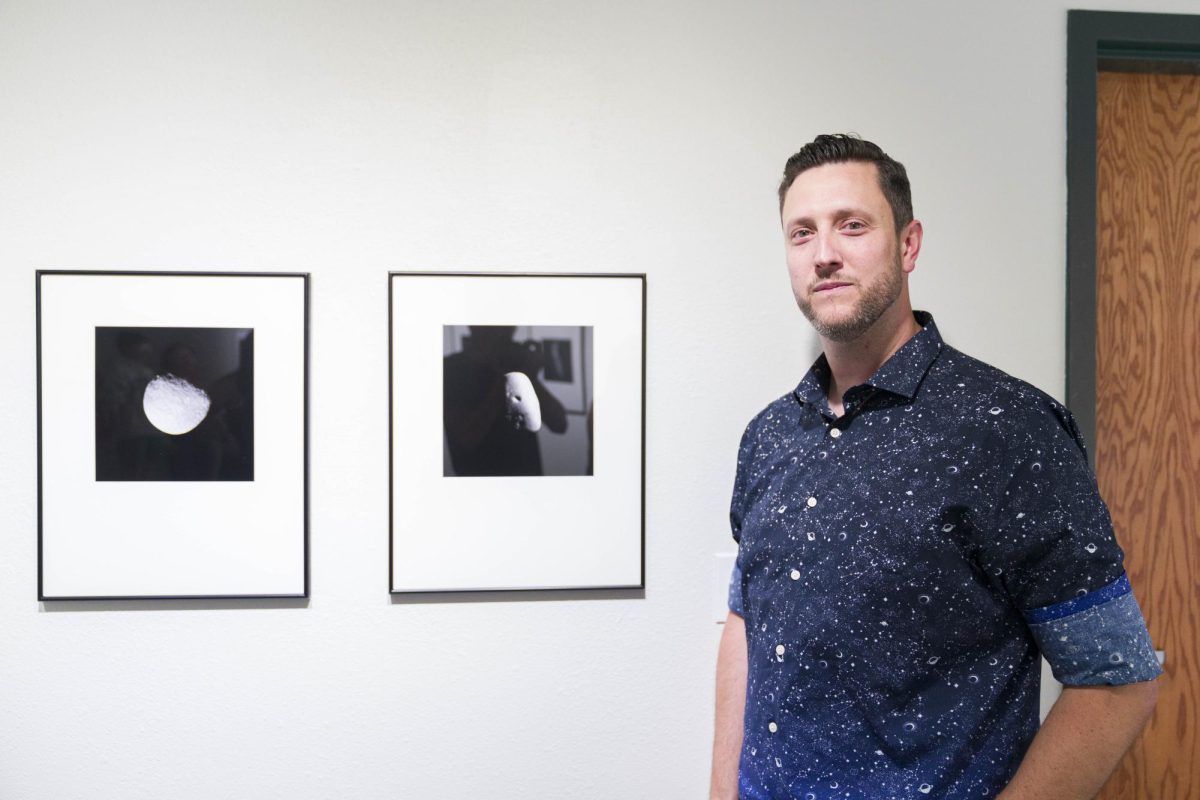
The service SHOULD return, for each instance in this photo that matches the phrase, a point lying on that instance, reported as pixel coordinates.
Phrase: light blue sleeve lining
(1103, 643)
(735, 591)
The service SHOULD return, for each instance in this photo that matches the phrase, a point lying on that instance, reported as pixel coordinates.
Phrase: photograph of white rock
(174, 404)
(517, 400)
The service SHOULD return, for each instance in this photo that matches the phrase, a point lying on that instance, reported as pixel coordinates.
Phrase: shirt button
(780, 649)
(811, 502)
(772, 727)
(835, 432)
(795, 575)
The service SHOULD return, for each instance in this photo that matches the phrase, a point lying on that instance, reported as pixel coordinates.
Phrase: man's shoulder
(773, 424)
(778, 410)
(973, 377)
(981, 391)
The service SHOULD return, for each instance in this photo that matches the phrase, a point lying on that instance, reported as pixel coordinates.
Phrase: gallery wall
(352, 138)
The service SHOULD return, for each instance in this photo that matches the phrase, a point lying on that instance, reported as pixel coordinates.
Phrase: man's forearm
(731, 706)
(1085, 734)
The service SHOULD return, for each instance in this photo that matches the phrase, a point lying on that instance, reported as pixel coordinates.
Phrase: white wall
(350, 138)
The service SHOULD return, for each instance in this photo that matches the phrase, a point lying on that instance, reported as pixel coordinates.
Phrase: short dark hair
(837, 148)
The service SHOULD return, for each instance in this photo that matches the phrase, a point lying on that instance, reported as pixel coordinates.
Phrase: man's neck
(854, 361)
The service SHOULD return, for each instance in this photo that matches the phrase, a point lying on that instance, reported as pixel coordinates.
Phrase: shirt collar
(901, 374)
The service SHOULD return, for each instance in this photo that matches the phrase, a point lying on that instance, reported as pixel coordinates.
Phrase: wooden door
(1148, 394)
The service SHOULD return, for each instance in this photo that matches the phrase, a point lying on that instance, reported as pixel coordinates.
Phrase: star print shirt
(900, 569)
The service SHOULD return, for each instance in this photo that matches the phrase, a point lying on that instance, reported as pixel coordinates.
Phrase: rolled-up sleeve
(1053, 551)
(736, 514)
(1097, 638)
(735, 591)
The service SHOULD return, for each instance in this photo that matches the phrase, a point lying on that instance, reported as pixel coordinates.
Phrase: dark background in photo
(218, 361)
(481, 437)
(558, 360)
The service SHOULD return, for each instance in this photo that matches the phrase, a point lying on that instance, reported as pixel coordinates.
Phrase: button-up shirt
(901, 567)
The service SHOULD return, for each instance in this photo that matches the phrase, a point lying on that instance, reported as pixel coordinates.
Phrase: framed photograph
(172, 435)
(517, 419)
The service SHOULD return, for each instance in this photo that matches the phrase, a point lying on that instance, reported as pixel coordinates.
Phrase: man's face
(845, 259)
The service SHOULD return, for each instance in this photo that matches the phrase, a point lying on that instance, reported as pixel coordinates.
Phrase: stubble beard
(875, 299)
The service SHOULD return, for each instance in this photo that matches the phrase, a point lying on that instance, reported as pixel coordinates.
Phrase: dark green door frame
(1108, 40)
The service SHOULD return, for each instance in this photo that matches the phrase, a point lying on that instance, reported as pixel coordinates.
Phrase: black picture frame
(523, 531)
(164, 536)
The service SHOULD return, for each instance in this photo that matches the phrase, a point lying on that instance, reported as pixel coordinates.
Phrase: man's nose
(826, 253)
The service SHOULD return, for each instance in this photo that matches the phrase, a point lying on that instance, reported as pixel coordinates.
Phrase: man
(915, 527)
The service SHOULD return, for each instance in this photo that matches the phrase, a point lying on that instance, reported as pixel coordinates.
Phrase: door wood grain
(1148, 394)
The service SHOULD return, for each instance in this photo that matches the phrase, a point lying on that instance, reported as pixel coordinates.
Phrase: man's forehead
(831, 186)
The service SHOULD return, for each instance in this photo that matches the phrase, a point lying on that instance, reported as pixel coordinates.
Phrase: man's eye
(854, 225)
(801, 233)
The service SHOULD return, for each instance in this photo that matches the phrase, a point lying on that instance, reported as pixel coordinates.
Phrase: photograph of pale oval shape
(174, 404)
(522, 408)
(516, 400)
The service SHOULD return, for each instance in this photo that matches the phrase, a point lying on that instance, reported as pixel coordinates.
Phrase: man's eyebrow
(841, 213)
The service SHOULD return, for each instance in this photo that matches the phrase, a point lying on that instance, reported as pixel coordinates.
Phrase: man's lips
(827, 286)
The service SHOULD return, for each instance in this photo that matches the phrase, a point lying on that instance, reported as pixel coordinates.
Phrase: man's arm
(731, 705)
(1085, 734)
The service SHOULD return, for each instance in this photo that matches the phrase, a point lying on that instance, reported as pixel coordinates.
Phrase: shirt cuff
(1097, 638)
(735, 591)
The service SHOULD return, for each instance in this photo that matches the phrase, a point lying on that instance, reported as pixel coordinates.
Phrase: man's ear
(910, 245)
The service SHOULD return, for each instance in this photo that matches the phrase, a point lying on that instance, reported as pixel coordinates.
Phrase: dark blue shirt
(900, 569)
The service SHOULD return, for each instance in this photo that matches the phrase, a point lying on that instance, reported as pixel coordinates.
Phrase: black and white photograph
(174, 404)
(172, 435)
(514, 402)
(517, 431)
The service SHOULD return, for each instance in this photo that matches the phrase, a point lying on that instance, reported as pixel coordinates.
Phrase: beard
(874, 299)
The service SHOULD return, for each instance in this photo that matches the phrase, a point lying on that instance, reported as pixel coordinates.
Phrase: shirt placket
(781, 647)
